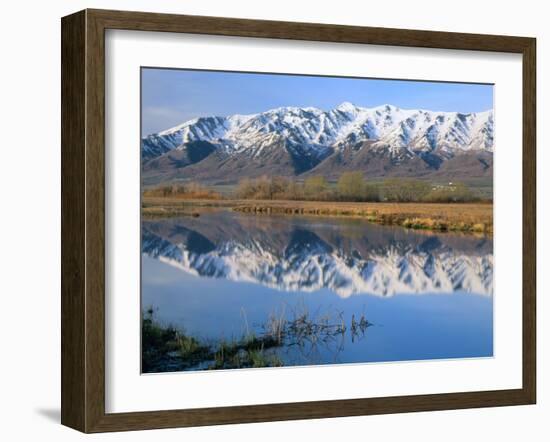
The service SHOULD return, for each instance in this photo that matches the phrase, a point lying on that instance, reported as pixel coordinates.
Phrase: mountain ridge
(295, 140)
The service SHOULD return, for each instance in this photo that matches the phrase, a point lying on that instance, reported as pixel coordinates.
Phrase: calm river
(341, 290)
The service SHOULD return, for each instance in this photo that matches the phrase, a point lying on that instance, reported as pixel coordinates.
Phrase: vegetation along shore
(407, 203)
(170, 348)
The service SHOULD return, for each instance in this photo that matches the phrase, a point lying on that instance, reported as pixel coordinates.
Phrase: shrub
(316, 188)
(267, 188)
(455, 193)
(351, 186)
(405, 190)
(184, 191)
(372, 192)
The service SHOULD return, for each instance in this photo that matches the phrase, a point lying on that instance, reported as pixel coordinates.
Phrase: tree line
(352, 187)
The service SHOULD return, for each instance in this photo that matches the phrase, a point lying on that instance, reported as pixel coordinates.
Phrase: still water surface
(365, 293)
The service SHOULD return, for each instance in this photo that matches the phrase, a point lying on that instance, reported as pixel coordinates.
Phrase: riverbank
(458, 217)
(167, 348)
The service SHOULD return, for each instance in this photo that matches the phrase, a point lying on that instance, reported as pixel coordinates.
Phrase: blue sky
(172, 96)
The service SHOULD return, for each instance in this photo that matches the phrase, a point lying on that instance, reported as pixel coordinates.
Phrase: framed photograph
(268, 220)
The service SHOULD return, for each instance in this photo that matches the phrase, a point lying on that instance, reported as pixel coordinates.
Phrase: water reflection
(298, 254)
(229, 290)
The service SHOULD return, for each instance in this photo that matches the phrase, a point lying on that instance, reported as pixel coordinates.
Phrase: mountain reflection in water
(345, 256)
(245, 291)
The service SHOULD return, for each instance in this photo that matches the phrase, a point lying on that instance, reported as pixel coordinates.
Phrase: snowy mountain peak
(346, 106)
(388, 108)
(309, 135)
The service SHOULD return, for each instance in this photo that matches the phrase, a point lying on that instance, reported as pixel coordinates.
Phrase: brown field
(464, 217)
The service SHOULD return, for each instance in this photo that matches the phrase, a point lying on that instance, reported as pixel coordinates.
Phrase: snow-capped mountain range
(301, 260)
(295, 140)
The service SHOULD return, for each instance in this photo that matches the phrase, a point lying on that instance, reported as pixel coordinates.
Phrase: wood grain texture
(95, 222)
(529, 220)
(73, 254)
(83, 220)
(144, 21)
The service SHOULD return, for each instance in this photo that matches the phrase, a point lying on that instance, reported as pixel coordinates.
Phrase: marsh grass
(459, 217)
(250, 351)
(167, 348)
(452, 217)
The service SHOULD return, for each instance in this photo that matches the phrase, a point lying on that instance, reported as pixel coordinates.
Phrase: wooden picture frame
(83, 219)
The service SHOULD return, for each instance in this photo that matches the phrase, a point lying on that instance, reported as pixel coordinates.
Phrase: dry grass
(464, 217)
(471, 217)
(161, 207)
(188, 191)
